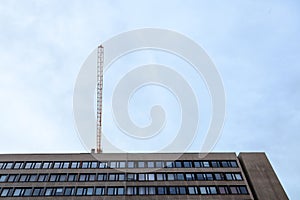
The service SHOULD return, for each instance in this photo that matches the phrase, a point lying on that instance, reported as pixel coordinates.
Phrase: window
(24, 178)
(159, 164)
(46, 165)
(131, 191)
(48, 192)
(150, 164)
(215, 164)
(206, 164)
(170, 164)
(18, 192)
(161, 177)
(112, 177)
(72, 177)
(121, 177)
(187, 164)
(178, 164)
(6, 192)
(18, 165)
(27, 192)
(177, 190)
(115, 191)
(223, 190)
(102, 177)
(180, 177)
(99, 191)
(69, 191)
(53, 177)
(7, 165)
(130, 164)
(32, 177)
(3, 177)
(58, 191)
(171, 177)
(122, 164)
(62, 177)
(141, 164)
(113, 164)
(233, 176)
(75, 165)
(190, 177)
(233, 164)
(161, 190)
(238, 190)
(219, 176)
(103, 165)
(151, 177)
(12, 177)
(131, 177)
(192, 190)
(37, 191)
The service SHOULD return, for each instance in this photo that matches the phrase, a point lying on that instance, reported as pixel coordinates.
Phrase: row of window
(115, 164)
(141, 190)
(119, 177)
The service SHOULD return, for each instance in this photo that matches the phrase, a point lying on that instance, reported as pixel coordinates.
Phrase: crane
(100, 65)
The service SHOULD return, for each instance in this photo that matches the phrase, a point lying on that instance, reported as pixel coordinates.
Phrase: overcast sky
(254, 45)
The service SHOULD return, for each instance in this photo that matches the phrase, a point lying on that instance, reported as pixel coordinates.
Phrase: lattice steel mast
(100, 65)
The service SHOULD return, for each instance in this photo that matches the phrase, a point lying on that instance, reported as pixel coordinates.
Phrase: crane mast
(100, 65)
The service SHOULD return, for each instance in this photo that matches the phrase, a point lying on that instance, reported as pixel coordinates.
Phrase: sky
(253, 44)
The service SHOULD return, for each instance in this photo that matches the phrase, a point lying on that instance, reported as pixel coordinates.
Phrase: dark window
(187, 164)
(161, 190)
(72, 177)
(223, 190)
(131, 177)
(42, 177)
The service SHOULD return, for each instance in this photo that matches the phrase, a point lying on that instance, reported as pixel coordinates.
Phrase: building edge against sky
(139, 176)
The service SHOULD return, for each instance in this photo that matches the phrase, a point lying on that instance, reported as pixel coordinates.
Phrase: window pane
(120, 191)
(171, 177)
(206, 164)
(180, 177)
(182, 190)
(141, 164)
(27, 192)
(161, 190)
(203, 190)
(233, 164)
(90, 191)
(150, 164)
(3, 178)
(238, 177)
(37, 191)
(233, 190)
(151, 190)
(122, 164)
(59, 191)
(213, 190)
(159, 164)
(99, 191)
(48, 191)
(101, 177)
(69, 191)
(243, 190)
(131, 191)
(110, 191)
(151, 177)
(79, 191)
(142, 191)
(17, 192)
(130, 164)
(192, 190)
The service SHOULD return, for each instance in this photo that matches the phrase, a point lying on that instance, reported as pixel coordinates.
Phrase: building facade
(139, 176)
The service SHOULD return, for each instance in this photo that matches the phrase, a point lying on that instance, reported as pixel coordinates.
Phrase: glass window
(110, 191)
(151, 190)
(192, 190)
(6, 192)
(223, 190)
(206, 164)
(238, 177)
(27, 192)
(161, 190)
(53, 177)
(224, 164)
(46, 165)
(3, 177)
(131, 191)
(187, 164)
(72, 177)
(228, 177)
(182, 190)
(37, 191)
(180, 177)
(57, 165)
(142, 190)
(203, 190)
(112, 177)
(200, 177)
(209, 177)
(142, 177)
(94, 165)
(197, 164)
(8, 165)
(85, 165)
(169, 164)
(89, 191)
(172, 190)
(37, 165)
(243, 190)
(130, 164)
(18, 192)
(219, 176)
(18, 165)
(141, 164)
(92, 177)
(62, 177)
(66, 165)
(28, 165)
(159, 164)
(99, 191)
(58, 191)
(33, 177)
(233, 190)
(23, 178)
(178, 164)
(233, 164)
(189, 177)
(12, 178)
(79, 191)
(171, 177)
(113, 164)
(120, 191)
(131, 177)
(215, 164)
(82, 177)
(160, 177)
(122, 164)
(102, 177)
(69, 191)
(42, 177)
(75, 165)
(150, 164)
(48, 191)
(151, 177)
(121, 177)
(213, 190)
(103, 165)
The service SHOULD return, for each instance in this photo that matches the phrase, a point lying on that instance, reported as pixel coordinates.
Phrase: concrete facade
(212, 176)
